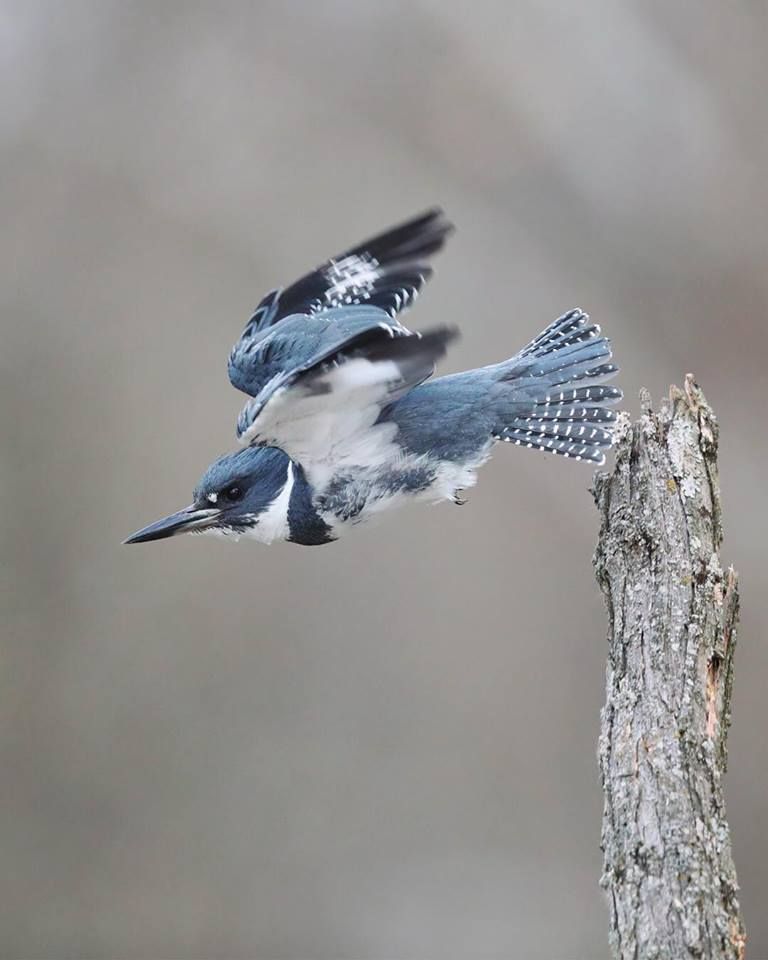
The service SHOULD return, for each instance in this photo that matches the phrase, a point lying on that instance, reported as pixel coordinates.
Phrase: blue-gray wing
(324, 412)
(387, 271)
(299, 342)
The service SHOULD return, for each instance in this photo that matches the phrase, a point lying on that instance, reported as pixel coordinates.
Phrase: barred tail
(556, 401)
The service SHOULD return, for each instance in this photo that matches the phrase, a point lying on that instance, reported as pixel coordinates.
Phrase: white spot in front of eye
(212, 497)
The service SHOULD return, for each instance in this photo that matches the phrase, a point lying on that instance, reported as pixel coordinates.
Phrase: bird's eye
(232, 493)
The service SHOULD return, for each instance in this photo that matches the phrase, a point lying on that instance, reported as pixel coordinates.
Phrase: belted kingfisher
(342, 420)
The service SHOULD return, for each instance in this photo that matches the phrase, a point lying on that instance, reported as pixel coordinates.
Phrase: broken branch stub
(672, 613)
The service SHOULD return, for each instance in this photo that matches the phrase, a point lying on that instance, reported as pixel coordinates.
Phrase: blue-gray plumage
(303, 350)
(344, 422)
(548, 396)
(317, 314)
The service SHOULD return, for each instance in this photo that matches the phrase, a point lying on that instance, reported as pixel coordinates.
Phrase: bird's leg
(459, 501)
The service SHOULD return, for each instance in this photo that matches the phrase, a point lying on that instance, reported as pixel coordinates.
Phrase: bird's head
(235, 495)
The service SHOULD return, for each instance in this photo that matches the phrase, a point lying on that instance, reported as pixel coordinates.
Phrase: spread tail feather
(544, 408)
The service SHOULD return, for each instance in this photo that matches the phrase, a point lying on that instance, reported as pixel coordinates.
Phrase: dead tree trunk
(672, 612)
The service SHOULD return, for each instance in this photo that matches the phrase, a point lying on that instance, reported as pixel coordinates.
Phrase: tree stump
(672, 612)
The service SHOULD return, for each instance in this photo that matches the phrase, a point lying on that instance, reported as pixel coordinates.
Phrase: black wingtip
(432, 343)
(394, 269)
(419, 236)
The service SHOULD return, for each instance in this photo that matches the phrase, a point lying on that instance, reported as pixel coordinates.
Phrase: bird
(344, 419)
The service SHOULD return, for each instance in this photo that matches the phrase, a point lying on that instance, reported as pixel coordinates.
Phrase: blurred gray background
(384, 748)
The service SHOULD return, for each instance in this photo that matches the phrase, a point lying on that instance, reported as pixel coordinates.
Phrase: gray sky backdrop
(385, 747)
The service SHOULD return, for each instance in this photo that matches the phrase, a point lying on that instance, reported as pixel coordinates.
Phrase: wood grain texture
(672, 610)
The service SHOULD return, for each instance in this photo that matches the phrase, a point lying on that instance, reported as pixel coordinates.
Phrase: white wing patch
(351, 280)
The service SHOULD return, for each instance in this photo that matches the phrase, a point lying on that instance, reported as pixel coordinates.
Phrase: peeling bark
(672, 611)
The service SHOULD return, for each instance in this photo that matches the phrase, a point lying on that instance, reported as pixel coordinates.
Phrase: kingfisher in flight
(344, 419)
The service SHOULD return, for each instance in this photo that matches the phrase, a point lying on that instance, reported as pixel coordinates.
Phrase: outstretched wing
(298, 340)
(324, 412)
(386, 271)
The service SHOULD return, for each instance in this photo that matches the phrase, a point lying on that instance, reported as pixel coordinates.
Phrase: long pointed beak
(184, 521)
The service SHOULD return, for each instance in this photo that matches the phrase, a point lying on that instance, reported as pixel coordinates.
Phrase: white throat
(273, 522)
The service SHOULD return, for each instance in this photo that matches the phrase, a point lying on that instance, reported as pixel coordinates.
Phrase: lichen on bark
(672, 613)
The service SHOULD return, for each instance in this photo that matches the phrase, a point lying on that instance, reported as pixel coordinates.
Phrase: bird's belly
(357, 496)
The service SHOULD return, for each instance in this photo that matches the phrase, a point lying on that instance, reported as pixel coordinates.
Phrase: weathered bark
(672, 610)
